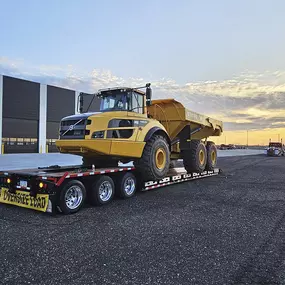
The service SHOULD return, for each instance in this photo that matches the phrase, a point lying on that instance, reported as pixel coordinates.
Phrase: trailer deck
(41, 188)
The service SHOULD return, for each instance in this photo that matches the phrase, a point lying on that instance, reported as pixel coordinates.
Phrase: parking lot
(227, 229)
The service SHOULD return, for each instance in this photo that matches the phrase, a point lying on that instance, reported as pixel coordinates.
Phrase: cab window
(137, 103)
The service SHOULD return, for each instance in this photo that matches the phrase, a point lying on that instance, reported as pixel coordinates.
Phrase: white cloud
(278, 123)
(250, 98)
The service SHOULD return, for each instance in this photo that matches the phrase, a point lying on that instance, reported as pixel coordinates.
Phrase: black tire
(147, 165)
(65, 204)
(123, 190)
(191, 157)
(211, 156)
(98, 162)
(94, 195)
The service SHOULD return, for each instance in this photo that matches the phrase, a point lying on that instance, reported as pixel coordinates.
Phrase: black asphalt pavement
(227, 229)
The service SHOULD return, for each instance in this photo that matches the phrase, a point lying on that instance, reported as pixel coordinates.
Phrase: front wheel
(155, 160)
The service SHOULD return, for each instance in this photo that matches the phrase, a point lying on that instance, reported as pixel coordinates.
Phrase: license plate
(23, 183)
(23, 199)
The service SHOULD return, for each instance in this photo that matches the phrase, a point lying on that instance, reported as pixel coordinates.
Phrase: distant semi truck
(275, 149)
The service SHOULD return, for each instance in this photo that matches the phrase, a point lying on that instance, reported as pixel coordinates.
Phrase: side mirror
(80, 103)
(148, 94)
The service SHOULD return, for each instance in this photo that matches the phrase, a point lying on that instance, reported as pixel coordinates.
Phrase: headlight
(98, 135)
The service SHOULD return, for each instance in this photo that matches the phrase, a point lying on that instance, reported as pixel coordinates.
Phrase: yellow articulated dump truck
(132, 127)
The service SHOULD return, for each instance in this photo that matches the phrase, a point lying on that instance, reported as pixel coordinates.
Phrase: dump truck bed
(174, 116)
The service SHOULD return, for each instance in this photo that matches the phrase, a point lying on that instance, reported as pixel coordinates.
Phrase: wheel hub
(105, 191)
(73, 197)
(129, 186)
(213, 157)
(201, 157)
(160, 158)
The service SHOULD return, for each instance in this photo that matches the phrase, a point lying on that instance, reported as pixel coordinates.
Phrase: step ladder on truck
(130, 127)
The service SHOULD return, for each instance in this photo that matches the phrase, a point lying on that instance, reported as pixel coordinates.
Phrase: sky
(220, 58)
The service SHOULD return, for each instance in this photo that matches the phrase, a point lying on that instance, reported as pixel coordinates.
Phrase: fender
(154, 130)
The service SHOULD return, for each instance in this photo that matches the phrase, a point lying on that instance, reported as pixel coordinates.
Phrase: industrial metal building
(30, 113)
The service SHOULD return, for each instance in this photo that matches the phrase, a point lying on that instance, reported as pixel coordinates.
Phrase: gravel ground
(227, 229)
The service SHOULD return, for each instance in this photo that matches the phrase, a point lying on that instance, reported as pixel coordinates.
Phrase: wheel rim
(160, 158)
(213, 157)
(73, 197)
(129, 186)
(105, 191)
(201, 157)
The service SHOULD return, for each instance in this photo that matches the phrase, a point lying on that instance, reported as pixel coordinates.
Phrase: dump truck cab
(123, 100)
(118, 132)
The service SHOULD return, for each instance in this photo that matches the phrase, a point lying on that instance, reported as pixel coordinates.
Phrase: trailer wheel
(211, 156)
(127, 185)
(72, 197)
(154, 163)
(195, 158)
(102, 191)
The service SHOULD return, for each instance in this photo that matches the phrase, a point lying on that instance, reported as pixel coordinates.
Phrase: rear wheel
(154, 163)
(72, 197)
(195, 158)
(102, 191)
(211, 156)
(126, 186)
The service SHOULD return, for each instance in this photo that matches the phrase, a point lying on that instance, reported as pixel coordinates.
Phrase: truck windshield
(129, 101)
(116, 102)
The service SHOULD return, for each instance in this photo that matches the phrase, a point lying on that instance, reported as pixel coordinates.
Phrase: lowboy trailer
(65, 189)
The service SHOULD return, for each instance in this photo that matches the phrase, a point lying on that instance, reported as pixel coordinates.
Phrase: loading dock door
(20, 115)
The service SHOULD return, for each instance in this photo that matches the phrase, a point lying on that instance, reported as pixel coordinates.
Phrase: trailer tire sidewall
(66, 192)
(212, 156)
(102, 191)
(122, 188)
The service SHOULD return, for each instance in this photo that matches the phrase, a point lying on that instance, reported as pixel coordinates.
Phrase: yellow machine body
(117, 147)
(168, 116)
